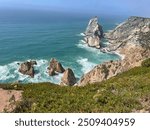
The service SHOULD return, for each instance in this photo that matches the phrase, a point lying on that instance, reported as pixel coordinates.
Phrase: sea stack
(68, 78)
(55, 67)
(27, 68)
(93, 33)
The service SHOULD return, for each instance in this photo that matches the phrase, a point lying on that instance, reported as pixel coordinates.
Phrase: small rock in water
(68, 78)
(55, 66)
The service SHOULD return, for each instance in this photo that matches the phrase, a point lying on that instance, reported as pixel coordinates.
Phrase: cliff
(135, 30)
(126, 92)
(132, 40)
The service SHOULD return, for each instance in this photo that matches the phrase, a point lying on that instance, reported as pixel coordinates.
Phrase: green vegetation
(146, 63)
(105, 70)
(124, 93)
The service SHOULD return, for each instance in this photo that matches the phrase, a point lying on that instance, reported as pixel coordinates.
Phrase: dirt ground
(8, 99)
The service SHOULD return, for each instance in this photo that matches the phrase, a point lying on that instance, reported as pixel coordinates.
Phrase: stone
(68, 78)
(27, 68)
(93, 33)
(55, 66)
(33, 63)
(52, 72)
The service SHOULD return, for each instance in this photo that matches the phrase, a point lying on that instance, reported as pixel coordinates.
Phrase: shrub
(146, 63)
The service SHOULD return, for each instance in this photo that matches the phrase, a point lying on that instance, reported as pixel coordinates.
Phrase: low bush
(146, 63)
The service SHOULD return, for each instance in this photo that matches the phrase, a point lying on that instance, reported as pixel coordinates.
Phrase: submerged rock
(68, 78)
(55, 66)
(93, 33)
(27, 68)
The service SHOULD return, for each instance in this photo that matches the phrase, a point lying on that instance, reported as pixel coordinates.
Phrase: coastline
(41, 72)
(133, 49)
(119, 54)
(130, 78)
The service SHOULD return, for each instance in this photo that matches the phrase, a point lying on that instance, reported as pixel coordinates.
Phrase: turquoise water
(41, 41)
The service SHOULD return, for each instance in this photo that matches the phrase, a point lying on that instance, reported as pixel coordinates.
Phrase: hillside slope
(126, 92)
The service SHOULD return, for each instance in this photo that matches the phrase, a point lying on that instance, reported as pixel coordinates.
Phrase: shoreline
(57, 77)
(122, 56)
(119, 54)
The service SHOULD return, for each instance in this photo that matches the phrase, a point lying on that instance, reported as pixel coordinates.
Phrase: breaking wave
(9, 73)
(82, 45)
(81, 34)
(86, 64)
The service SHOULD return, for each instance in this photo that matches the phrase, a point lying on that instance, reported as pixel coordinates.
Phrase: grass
(122, 93)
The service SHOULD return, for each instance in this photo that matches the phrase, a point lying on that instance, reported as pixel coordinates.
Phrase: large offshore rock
(93, 33)
(27, 68)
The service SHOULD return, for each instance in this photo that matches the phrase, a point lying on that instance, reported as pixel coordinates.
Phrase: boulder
(27, 68)
(68, 78)
(55, 66)
(93, 33)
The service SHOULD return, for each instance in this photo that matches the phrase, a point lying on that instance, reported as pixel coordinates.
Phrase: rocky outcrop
(27, 68)
(135, 30)
(55, 67)
(93, 33)
(68, 78)
(131, 39)
(101, 72)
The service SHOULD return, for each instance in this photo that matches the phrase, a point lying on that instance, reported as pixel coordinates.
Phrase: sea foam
(81, 34)
(82, 45)
(86, 64)
(9, 73)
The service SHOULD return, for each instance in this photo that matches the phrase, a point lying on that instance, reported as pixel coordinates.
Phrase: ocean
(34, 36)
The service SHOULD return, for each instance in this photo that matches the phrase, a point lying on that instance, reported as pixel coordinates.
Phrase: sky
(110, 7)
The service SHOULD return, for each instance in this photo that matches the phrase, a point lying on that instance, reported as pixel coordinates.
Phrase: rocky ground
(8, 99)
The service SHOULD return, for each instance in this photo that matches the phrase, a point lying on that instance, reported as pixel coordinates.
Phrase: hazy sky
(118, 7)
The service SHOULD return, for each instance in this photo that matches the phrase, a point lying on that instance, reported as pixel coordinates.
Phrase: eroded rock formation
(68, 78)
(93, 33)
(27, 68)
(54, 67)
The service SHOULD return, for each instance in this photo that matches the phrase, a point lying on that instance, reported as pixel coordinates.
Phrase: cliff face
(93, 33)
(131, 39)
(135, 30)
